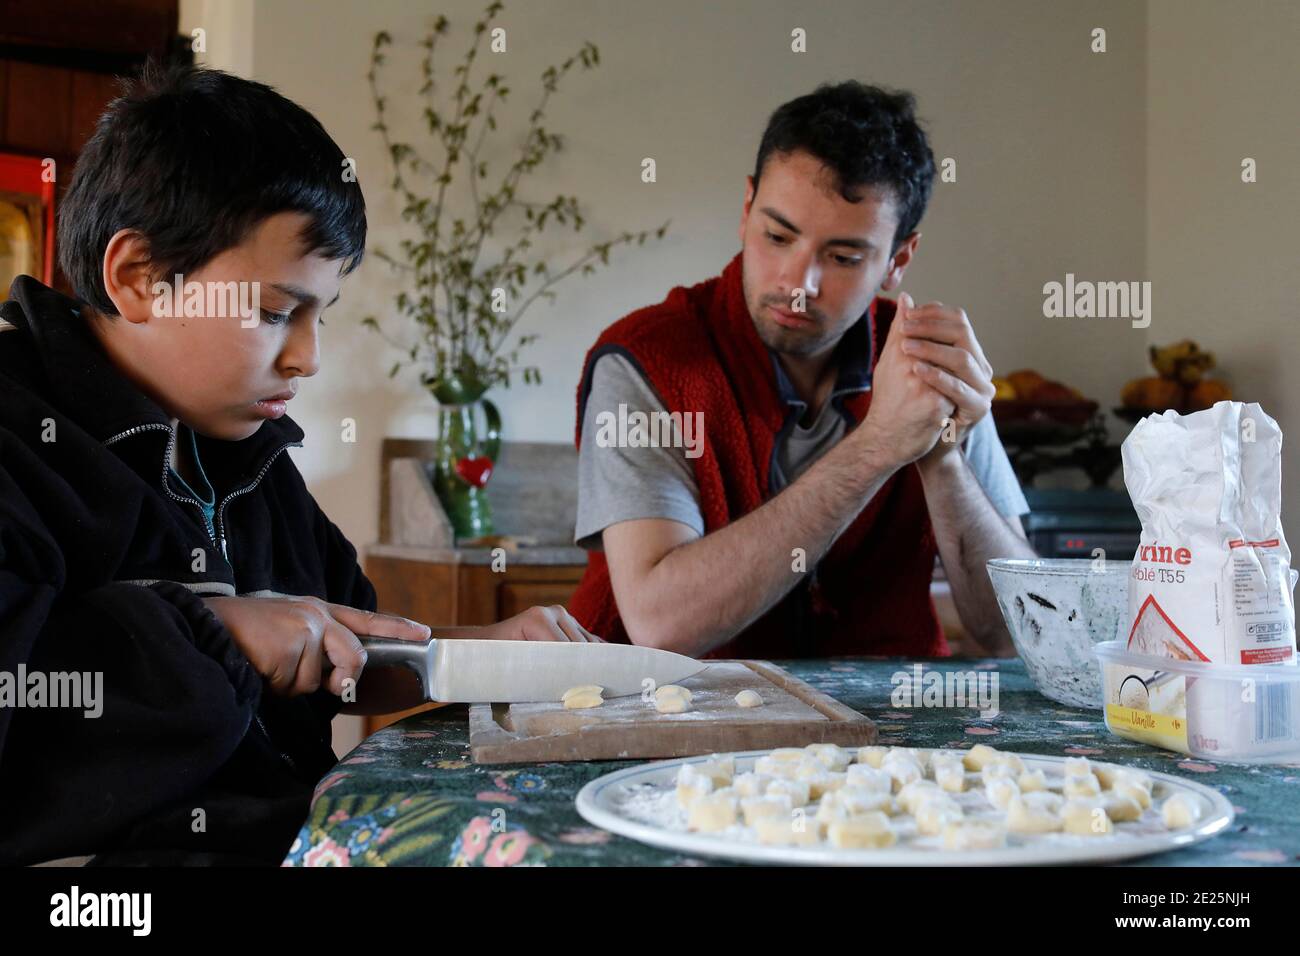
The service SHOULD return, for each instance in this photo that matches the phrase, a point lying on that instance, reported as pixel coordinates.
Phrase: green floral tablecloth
(410, 796)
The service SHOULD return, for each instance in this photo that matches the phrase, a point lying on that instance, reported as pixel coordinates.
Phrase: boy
(178, 617)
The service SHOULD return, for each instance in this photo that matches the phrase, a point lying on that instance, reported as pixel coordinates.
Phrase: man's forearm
(735, 574)
(969, 532)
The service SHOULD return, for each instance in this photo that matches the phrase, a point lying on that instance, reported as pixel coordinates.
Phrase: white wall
(1223, 253)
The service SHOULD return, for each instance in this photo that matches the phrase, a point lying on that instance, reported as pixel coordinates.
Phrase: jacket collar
(86, 387)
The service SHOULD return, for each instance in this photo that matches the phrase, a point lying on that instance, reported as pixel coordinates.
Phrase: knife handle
(391, 652)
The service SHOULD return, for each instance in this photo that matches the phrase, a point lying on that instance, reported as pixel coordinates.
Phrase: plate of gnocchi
(903, 806)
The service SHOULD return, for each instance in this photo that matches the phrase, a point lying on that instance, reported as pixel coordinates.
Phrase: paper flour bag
(1211, 580)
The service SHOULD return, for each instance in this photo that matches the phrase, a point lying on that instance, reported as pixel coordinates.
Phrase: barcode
(1273, 712)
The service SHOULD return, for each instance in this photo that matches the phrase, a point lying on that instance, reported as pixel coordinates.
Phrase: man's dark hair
(194, 159)
(867, 136)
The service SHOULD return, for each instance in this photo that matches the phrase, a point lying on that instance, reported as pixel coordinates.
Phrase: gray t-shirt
(618, 482)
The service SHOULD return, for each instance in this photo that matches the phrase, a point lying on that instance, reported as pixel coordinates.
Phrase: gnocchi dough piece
(794, 754)
(946, 758)
(1044, 800)
(1127, 788)
(691, 785)
(713, 812)
(772, 767)
(832, 756)
(872, 756)
(749, 698)
(582, 698)
(1031, 781)
(978, 756)
(751, 784)
(719, 768)
(1134, 777)
(866, 777)
(866, 831)
(797, 790)
(1000, 790)
(672, 703)
(1024, 818)
(829, 810)
(910, 796)
(903, 772)
(1011, 760)
(788, 830)
(1106, 774)
(914, 755)
(1180, 810)
(997, 771)
(1120, 807)
(774, 805)
(855, 801)
(585, 689)
(950, 777)
(673, 690)
(1082, 785)
(974, 835)
(1083, 817)
(822, 781)
(1077, 767)
(936, 812)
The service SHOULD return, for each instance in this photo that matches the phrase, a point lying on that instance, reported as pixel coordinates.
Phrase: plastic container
(1221, 712)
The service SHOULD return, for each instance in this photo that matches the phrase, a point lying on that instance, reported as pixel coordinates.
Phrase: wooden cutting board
(623, 728)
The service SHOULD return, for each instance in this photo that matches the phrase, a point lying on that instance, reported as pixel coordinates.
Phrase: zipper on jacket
(221, 507)
(284, 756)
(167, 457)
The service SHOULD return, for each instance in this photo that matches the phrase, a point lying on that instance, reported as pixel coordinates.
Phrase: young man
(159, 552)
(843, 445)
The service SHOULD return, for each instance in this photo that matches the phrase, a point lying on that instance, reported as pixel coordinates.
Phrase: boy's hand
(293, 641)
(552, 623)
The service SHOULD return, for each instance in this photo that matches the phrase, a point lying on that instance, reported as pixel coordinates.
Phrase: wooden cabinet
(455, 592)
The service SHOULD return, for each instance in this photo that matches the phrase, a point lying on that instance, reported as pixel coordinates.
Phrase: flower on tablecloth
(338, 816)
(418, 734)
(472, 841)
(529, 782)
(445, 764)
(1197, 766)
(508, 848)
(326, 853)
(586, 836)
(496, 796)
(366, 833)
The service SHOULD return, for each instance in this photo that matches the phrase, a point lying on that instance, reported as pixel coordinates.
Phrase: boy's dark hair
(194, 159)
(868, 136)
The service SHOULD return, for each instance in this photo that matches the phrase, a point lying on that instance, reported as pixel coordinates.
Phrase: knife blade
(474, 671)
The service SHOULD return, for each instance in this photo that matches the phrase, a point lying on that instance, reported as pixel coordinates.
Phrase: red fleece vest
(870, 594)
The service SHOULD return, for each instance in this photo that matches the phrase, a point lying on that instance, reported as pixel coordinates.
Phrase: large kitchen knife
(473, 671)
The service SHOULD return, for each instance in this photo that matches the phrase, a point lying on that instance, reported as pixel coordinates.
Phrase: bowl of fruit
(1027, 407)
(1180, 383)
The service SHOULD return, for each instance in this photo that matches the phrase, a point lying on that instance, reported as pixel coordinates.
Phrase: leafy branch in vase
(461, 307)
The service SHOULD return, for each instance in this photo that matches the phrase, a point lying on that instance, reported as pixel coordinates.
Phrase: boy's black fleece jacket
(103, 564)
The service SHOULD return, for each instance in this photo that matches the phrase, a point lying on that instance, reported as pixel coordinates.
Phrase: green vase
(466, 454)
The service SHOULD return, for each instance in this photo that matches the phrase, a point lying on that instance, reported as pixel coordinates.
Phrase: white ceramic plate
(640, 803)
